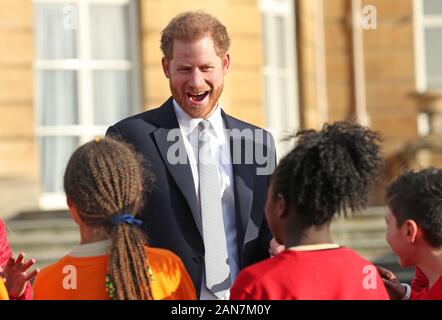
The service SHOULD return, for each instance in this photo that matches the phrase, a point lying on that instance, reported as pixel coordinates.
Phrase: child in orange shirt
(3, 292)
(414, 232)
(327, 173)
(104, 183)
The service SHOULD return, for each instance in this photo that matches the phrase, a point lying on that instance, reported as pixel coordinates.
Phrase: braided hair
(105, 178)
(328, 171)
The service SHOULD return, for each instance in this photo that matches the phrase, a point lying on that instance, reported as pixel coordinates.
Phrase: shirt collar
(91, 249)
(188, 124)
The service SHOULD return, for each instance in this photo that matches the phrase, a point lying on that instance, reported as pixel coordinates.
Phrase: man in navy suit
(195, 47)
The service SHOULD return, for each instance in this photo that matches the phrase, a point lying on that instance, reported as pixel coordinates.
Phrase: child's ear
(410, 230)
(281, 206)
(73, 211)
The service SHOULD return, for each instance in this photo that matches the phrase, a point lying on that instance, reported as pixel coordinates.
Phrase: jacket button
(198, 259)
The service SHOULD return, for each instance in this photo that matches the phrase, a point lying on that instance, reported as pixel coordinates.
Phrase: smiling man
(206, 208)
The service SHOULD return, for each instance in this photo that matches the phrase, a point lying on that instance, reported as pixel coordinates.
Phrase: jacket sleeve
(265, 234)
(5, 253)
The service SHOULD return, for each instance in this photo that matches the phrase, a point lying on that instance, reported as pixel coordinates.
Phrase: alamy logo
(369, 18)
(248, 147)
(70, 280)
(70, 17)
(370, 280)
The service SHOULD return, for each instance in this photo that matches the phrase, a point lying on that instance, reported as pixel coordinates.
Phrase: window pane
(280, 42)
(112, 101)
(433, 49)
(284, 121)
(57, 98)
(266, 38)
(109, 32)
(269, 113)
(54, 155)
(55, 31)
(432, 7)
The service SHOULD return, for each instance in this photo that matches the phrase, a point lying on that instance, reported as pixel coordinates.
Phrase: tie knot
(203, 128)
(204, 125)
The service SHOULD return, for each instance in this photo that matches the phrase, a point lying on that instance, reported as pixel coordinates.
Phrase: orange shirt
(3, 292)
(83, 278)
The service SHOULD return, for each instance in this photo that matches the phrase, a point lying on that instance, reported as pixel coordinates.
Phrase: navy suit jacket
(171, 215)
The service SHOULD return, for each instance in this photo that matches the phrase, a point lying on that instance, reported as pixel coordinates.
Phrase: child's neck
(311, 236)
(431, 265)
(91, 234)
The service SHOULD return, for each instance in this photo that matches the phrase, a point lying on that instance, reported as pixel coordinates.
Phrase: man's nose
(196, 79)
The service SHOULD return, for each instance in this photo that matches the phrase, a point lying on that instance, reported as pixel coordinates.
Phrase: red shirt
(420, 289)
(331, 274)
(5, 253)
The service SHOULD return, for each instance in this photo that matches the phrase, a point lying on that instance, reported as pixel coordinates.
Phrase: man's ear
(411, 231)
(166, 67)
(226, 62)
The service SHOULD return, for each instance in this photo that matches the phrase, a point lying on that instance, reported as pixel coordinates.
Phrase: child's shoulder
(159, 252)
(348, 253)
(3, 237)
(267, 267)
(162, 256)
(50, 273)
(49, 269)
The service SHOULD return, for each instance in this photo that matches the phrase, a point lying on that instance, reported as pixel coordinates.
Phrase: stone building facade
(295, 64)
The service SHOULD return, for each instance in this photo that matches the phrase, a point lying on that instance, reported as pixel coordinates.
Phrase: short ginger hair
(191, 26)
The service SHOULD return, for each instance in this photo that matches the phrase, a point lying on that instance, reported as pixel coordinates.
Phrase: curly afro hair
(418, 196)
(328, 171)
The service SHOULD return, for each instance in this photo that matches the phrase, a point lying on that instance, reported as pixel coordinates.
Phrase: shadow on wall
(17, 195)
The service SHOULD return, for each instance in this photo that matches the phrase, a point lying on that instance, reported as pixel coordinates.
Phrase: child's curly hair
(328, 171)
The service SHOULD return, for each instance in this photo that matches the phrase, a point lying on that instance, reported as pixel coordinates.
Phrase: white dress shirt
(220, 147)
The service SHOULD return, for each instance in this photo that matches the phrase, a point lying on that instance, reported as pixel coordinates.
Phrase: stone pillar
(430, 103)
(426, 150)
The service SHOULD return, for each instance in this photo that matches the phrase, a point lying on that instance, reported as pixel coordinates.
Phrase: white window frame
(85, 65)
(280, 126)
(422, 22)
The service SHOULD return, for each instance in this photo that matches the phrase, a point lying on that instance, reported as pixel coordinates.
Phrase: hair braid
(105, 179)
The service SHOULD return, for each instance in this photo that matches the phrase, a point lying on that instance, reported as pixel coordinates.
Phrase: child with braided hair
(104, 184)
(327, 173)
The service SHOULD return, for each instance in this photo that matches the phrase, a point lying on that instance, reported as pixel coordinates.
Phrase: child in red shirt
(328, 172)
(15, 271)
(414, 232)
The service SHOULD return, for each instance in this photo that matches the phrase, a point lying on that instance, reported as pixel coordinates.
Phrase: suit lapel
(243, 179)
(168, 138)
